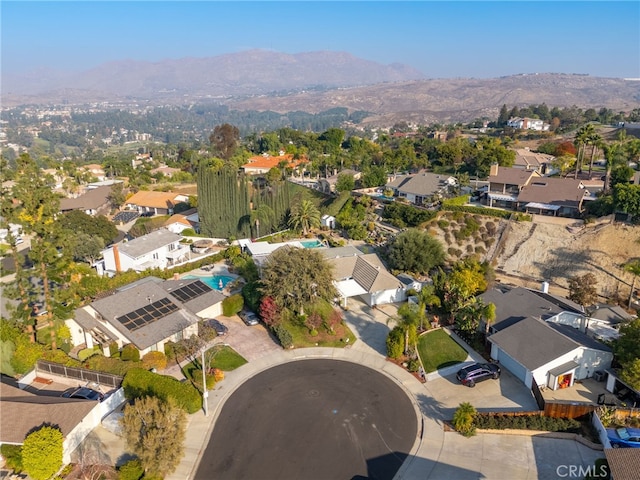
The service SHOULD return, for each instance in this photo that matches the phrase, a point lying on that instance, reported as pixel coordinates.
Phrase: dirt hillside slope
(538, 252)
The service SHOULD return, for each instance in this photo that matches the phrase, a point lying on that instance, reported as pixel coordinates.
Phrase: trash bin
(601, 399)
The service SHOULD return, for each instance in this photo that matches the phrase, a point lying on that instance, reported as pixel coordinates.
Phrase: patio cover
(349, 288)
(501, 196)
(564, 368)
(543, 206)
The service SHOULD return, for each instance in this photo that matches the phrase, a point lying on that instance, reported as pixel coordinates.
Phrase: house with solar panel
(147, 313)
(158, 249)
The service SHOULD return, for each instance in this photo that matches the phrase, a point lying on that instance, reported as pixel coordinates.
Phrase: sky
(447, 39)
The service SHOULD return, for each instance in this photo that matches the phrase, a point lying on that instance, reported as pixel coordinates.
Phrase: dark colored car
(248, 317)
(219, 327)
(624, 437)
(83, 393)
(477, 372)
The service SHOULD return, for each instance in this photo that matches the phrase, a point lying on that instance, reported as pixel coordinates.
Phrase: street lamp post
(205, 392)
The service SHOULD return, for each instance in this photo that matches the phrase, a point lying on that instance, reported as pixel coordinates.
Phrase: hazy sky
(441, 39)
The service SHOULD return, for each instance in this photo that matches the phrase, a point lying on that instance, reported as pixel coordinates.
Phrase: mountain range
(314, 82)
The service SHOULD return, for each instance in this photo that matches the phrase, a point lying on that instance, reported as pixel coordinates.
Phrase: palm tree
(305, 215)
(612, 154)
(265, 214)
(595, 141)
(581, 140)
(632, 267)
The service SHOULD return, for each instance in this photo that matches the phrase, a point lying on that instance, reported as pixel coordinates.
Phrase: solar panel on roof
(147, 314)
(191, 290)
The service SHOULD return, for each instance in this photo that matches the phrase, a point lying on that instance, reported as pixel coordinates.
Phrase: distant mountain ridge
(313, 82)
(245, 73)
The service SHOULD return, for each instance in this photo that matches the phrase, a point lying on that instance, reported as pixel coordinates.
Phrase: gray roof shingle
(148, 243)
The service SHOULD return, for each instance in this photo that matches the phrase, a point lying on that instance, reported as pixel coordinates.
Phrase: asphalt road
(312, 419)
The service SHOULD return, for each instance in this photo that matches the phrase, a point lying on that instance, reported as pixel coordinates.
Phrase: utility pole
(205, 392)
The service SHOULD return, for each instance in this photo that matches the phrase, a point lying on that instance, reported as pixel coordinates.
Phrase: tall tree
(225, 140)
(155, 431)
(42, 452)
(582, 289)
(415, 251)
(294, 277)
(595, 141)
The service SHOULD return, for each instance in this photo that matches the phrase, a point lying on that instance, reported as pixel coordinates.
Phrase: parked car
(248, 317)
(218, 326)
(624, 437)
(84, 393)
(477, 372)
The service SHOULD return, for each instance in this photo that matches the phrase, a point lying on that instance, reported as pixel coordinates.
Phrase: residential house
(141, 159)
(156, 203)
(22, 412)
(328, 221)
(421, 188)
(55, 177)
(529, 192)
(528, 124)
(356, 274)
(158, 249)
(534, 161)
(94, 201)
(550, 354)
(328, 185)
(562, 197)
(542, 337)
(95, 171)
(624, 464)
(165, 170)
(147, 314)
(179, 222)
(261, 164)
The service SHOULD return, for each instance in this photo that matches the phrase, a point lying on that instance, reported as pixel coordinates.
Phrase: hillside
(554, 252)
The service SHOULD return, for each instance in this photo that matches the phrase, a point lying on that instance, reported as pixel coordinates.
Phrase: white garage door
(510, 364)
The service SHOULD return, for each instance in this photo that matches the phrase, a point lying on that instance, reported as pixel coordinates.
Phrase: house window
(155, 256)
(172, 247)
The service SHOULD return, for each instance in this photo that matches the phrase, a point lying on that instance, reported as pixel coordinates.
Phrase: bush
(42, 452)
(463, 419)
(86, 353)
(284, 336)
(491, 212)
(58, 356)
(130, 353)
(12, 455)
(114, 350)
(132, 470)
(139, 383)
(157, 360)
(232, 305)
(395, 343)
(526, 422)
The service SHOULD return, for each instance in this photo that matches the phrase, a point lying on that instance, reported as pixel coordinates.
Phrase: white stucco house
(420, 188)
(158, 249)
(147, 314)
(544, 338)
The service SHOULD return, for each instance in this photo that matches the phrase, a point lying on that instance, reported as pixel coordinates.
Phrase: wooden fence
(82, 374)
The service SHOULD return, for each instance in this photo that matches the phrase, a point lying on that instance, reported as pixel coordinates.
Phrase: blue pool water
(312, 243)
(214, 282)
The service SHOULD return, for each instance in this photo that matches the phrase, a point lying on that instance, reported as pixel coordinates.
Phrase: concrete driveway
(252, 342)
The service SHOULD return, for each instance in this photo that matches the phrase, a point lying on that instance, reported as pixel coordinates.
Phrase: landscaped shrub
(58, 356)
(115, 366)
(443, 224)
(480, 250)
(469, 248)
(232, 305)
(463, 419)
(491, 227)
(132, 470)
(12, 455)
(395, 343)
(491, 212)
(130, 353)
(86, 353)
(114, 349)
(526, 422)
(460, 200)
(284, 336)
(42, 452)
(157, 360)
(140, 383)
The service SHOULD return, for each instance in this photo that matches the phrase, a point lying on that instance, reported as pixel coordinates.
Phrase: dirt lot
(540, 251)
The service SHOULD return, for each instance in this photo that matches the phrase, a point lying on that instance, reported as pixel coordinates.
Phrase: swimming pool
(312, 243)
(217, 282)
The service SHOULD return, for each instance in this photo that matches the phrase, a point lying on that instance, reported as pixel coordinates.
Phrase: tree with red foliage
(314, 321)
(269, 312)
(334, 320)
(565, 148)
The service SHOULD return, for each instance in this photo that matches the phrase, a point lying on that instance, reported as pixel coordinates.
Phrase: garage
(518, 370)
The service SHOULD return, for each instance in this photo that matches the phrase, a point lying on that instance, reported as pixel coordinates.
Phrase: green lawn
(225, 358)
(438, 350)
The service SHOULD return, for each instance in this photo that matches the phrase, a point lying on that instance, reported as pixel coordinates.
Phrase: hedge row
(142, 383)
(525, 422)
(491, 212)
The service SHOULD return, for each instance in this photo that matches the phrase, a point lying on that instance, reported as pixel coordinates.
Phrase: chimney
(544, 288)
(116, 257)
(493, 171)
